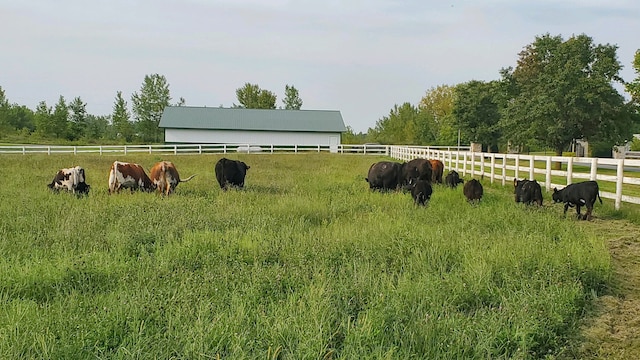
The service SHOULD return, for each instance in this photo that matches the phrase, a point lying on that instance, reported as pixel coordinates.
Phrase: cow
(230, 173)
(385, 175)
(527, 192)
(473, 191)
(437, 169)
(416, 169)
(72, 180)
(453, 179)
(579, 194)
(128, 175)
(421, 191)
(165, 177)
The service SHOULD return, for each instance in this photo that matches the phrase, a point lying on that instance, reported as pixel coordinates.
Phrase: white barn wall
(198, 136)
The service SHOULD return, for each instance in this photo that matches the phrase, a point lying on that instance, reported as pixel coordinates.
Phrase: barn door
(333, 143)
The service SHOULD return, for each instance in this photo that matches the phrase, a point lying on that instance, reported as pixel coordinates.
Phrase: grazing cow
(527, 191)
(453, 179)
(230, 173)
(128, 175)
(421, 191)
(579, 194)
(165, 177)
(473, 191)
(437, 168)
(416, 169)
(72, 179)
(385, 175)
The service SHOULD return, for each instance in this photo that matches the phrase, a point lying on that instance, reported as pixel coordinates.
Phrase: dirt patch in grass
(612, 328)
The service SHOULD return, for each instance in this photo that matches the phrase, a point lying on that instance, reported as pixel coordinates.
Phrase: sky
(359, 57)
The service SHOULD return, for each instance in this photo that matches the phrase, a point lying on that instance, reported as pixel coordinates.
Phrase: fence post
(200, 149)
(473, 164)
(224, 148)
(75, 150)
(125, 149)
(464, 164)
(619, 181)
(100, 149)
(569, 170)
(272, 148)
(504, 169)
(149, 149)
(24, 150)
(48, 150)
(594, 169)
(516, 173)
(458, 160)
(532, 167)
(493, 166)
(547, 178)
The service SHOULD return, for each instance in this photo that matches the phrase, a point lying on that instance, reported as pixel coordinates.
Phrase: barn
(209, 125)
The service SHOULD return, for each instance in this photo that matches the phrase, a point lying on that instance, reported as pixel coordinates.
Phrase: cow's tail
(599, 198)
(189, 178)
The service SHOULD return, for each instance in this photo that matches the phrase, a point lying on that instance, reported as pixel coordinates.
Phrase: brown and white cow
(165, 177)
(71, 179)
(128, 175)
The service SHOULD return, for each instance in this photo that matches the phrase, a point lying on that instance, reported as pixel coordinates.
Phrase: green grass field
(305, 262)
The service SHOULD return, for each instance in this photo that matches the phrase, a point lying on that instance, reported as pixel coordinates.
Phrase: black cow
(453, 179)
(421, 191)
(385, 175)
(579, 194)
(473, 191)
(527, 191)
(231, 173)
(416, 169)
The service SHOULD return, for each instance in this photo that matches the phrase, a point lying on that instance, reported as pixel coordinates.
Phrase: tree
(477, 112)
(148, 106)
(77, 119)
(60, 119)
(399, 127)
(633, 87)
(41, 118)
(292, 99)
(97, 127)
(5, 123)
(121, 119)
(250, 96)
(438, 104)
(563, 90)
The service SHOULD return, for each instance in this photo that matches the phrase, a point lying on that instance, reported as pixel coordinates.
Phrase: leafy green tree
(350, 137)
(77, 119)
(97, 127)
(250, 96)
(437, 103)
(121, 119)
(563, 90)
(292, 99)
(5, 123)
(399, 127)
(60, 119)
(148, 106)
(633, 87)
(42, 119)
(477, 112)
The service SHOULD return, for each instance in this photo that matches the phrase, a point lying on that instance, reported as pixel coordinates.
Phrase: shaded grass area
(306, 262)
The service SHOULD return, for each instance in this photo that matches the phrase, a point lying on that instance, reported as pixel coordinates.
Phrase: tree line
(69, 122)
(559, 91)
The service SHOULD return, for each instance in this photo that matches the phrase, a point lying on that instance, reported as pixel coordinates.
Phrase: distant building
(210, 125)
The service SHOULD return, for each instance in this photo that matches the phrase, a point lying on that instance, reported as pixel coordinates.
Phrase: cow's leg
(566, 206)
(578, 210)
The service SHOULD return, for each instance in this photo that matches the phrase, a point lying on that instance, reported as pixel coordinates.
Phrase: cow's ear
(555, 190)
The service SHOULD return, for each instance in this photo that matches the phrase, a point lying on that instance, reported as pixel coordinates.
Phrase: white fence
(495, 167)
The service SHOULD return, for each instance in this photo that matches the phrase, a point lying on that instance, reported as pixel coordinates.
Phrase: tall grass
(305, 262)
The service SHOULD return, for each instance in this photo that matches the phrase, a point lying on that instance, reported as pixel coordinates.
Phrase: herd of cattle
(416, 176)
(163, 178)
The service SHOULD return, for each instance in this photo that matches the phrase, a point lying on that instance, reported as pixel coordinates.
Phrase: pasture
(305, 262)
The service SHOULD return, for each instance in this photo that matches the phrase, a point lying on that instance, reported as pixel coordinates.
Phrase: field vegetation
(305, 262)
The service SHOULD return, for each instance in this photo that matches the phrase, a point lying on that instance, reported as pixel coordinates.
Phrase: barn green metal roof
(211, 118)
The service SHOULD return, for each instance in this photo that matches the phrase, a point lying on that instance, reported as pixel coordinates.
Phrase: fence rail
(496, 167)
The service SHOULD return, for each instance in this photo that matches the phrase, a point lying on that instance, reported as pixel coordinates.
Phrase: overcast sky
(359, 57)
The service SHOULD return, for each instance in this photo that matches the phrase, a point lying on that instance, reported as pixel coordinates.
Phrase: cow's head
(557, 195)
